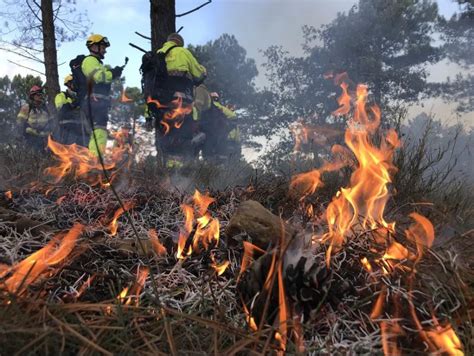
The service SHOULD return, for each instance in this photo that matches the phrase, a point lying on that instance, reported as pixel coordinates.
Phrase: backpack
(79, 80)
(154, 72)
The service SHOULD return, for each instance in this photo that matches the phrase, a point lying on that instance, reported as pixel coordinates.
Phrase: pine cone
(308, 284)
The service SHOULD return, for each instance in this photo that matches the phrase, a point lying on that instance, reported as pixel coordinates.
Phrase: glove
(116, 72)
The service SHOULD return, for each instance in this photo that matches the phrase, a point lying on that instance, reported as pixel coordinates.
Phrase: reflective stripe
(69, 122)
(95, 96)
(172, 163)
(177, 73)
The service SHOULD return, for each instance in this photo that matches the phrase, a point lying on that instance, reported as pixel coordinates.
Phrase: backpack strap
(169, 49)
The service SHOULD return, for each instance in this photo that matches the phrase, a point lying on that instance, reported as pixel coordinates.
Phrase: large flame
(80, 162)
(360, 207)
(200, 230)
(28, 270)
(365, 199)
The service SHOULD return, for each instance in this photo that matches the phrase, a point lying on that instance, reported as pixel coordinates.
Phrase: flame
(175, 113)
(28, 270)
(249, 319)
(344, 101)
(85, 286)
(298, 333)
(249, 250)
(366, 264)
(124, 98)
(395, 253)
(390, 330)
(446, 340)
(9, 195)
(421, 232)
(368, 192)
(123, 294)
(183, 236)
(379, 303)
(113, 226)
(158, 247)
(4, 269)
(133, 293)
(202, 201)
(282, 309)
(219, 268)
(206, 228)
(306, 183)
(360, 207)
(79, 161)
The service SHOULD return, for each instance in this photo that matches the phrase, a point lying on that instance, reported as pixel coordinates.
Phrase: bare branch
(143, 36)
(195, 9)
(57, 11)
(25, 48)
(20, 65)
(27, 56)
(180, 29)
(33, 11)
(36, 3)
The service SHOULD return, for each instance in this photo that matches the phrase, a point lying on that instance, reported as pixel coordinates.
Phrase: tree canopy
(230, 72)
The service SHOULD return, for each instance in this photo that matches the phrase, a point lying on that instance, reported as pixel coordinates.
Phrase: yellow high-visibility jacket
(225, 110)
(61, 99)
(181, 59)
(101, 75)
(34, 121)
(68, 110)
(234, 134)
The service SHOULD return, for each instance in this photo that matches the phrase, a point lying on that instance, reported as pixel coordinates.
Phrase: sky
(257, 24)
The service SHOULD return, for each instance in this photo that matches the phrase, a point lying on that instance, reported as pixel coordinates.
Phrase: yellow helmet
(67, 79)
(97, 39)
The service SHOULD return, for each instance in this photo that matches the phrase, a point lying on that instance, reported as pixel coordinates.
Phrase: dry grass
(185, 308)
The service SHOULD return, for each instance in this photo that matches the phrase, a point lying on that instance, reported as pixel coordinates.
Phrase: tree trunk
(49, 50)
(162, 20)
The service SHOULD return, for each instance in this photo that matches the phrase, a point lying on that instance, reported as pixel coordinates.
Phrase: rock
(263, 227)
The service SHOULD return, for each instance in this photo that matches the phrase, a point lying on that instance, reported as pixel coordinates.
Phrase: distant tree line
(386, 44)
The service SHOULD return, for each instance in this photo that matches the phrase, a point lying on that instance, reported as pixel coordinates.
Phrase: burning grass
(184, 306)
(144, 270)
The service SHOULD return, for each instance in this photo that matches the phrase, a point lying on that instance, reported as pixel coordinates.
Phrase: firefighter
(96, 107)
(222, 134)
(174, 124)
(34, 120)
(72, 129)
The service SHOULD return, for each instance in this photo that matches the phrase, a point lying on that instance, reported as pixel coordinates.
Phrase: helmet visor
(104, 42)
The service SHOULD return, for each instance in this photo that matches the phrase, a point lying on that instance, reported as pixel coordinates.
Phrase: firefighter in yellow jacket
(34, 120)
(72, 129)
(97, 106)
(219, 123)
(174, 125)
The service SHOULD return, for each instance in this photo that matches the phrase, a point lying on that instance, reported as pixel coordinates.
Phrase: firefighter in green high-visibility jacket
(97, 106)
(72, 128)
(172, 104)
(34, 120)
